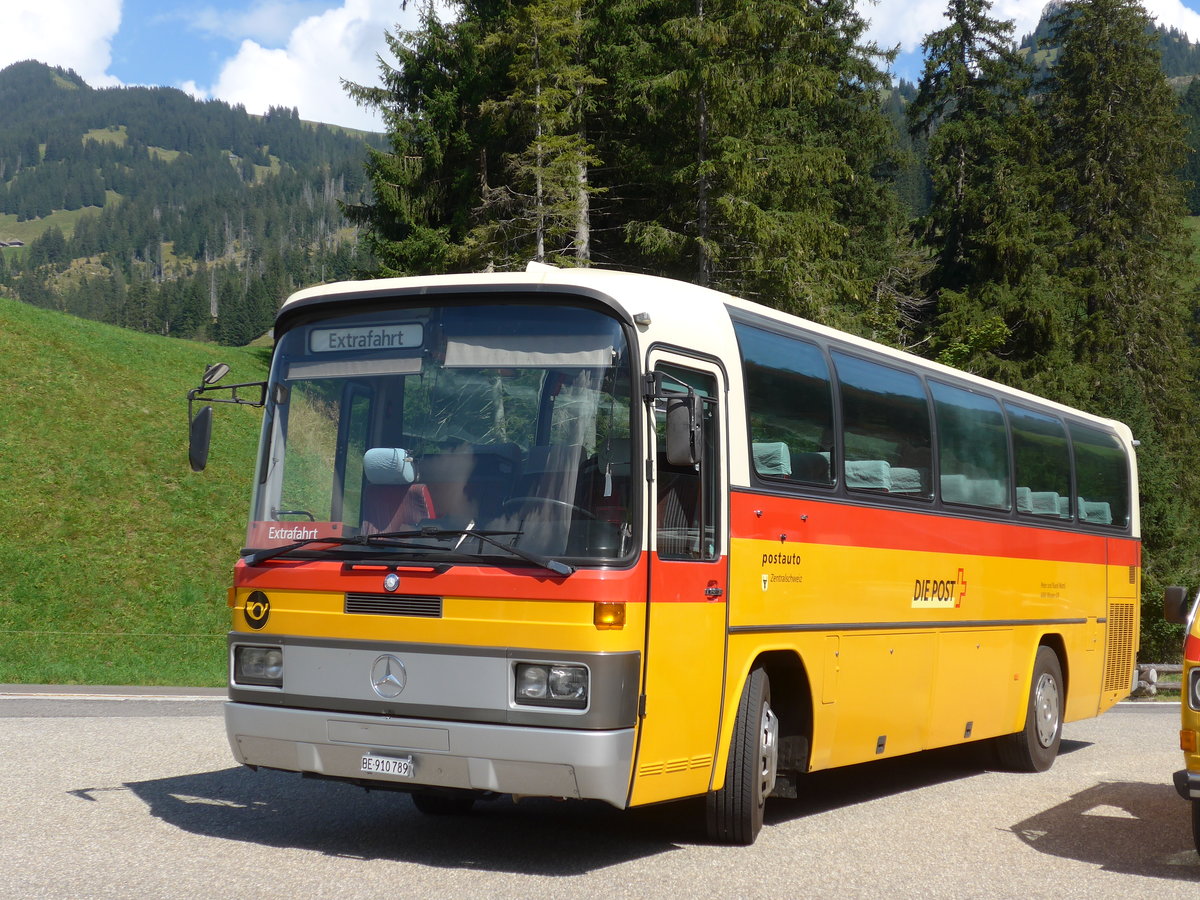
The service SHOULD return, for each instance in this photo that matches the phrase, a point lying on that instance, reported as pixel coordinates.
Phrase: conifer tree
(428, 181)
(752, 154)
(736, 144)
(1189, 109)
(541, 207)
(1118, 142)
(997, 309)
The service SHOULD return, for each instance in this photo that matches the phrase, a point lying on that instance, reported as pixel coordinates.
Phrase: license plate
(401, 767)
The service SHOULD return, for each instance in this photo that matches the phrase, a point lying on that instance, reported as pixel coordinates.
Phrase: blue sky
(293, 53)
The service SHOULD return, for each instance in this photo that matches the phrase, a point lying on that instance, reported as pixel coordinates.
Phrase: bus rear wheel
(1034, 748)
(735, 812)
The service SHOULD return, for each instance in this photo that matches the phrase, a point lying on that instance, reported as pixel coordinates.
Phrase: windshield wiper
(387, 538)
(544, 562)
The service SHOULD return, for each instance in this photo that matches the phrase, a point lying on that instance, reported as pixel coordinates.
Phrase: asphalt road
(135, 795)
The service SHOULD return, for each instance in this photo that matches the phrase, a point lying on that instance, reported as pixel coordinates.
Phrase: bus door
(686, 620)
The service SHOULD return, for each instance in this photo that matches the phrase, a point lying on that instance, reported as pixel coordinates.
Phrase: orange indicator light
(1187, 741)
(608, 615)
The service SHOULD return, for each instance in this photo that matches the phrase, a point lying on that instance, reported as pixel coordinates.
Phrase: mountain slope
(146, 208)
(114, 556)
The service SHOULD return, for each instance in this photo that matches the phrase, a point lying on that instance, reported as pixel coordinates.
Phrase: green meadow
(115, 557)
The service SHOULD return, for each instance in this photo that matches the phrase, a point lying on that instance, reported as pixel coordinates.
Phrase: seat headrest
(388, 465)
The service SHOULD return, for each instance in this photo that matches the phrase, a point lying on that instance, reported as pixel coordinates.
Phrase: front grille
(1118, 649)
(394, 605)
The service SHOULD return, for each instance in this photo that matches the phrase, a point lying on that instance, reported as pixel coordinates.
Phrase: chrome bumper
(506, 759)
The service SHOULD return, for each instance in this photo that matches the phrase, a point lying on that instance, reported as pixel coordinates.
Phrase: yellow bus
(587, 534)
(1187, 779)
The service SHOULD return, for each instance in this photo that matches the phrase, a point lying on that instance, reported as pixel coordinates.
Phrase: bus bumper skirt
(1188, 784)
(505, 759)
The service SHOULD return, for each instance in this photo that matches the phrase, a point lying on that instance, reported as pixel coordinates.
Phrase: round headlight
(568, 682)
(531, 682)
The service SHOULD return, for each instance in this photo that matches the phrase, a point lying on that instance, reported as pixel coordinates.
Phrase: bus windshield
(440, 423)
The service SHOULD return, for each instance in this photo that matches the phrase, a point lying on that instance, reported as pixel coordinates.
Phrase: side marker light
(608, 616)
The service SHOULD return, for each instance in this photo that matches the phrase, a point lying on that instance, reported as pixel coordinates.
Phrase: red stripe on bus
(768, 517)
(521, 583)
(1124, 552)
(1191, 648)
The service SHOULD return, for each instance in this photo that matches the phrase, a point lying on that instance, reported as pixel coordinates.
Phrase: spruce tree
(997, 308)
(1118, 142)
(426, 183)
(541, 208)
(752, 154)
(1189, 109)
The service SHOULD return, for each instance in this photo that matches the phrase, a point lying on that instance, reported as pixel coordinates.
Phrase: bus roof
(678, 313)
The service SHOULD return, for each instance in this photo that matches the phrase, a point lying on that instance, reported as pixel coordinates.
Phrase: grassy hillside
(114, 556)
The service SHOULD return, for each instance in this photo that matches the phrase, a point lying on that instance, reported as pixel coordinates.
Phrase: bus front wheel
(735, 812)
(1195, 805)
(1033, 748)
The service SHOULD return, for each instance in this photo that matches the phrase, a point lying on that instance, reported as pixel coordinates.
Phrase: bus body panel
(1188, 780)
(677, 744)
(888, 625)
(519, 608)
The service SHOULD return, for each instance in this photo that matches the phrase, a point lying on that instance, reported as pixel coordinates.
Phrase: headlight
(258, 665)
(1193, 693)
(544, 684)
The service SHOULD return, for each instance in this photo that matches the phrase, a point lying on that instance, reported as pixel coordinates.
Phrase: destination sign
(372, 337)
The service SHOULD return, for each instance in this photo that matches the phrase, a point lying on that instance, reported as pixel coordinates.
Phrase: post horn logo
(258, 609)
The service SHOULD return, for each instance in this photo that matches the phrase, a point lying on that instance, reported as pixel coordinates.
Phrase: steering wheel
(549, 501)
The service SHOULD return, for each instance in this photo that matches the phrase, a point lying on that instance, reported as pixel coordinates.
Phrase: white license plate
(401, 767)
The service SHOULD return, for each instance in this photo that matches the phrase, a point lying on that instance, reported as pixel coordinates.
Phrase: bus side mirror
(200, 424)
(199, 436)
(683, 429)
(1175, 605)
(214, 373)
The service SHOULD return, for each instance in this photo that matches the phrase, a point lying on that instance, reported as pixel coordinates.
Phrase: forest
(1022, 211)
(167, 215)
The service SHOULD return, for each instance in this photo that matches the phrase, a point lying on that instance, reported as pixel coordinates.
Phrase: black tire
(444, 802)
(735, 812)
(1034, 748)
(1195, 805)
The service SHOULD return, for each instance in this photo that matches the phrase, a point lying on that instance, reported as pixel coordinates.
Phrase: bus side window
(1043, 463)
(885, 428)
(687, 502)
(972, 448)
(789, 404)
(1101, 477)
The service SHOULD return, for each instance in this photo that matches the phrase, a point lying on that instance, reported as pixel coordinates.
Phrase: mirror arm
(197, 393)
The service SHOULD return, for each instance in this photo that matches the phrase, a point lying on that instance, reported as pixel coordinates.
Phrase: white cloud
(306, 72)
(906, 22)
(67, 33)
(268, 21)
(1173, 14)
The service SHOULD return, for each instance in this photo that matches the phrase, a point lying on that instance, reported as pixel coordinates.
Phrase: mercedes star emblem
(388, 677)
